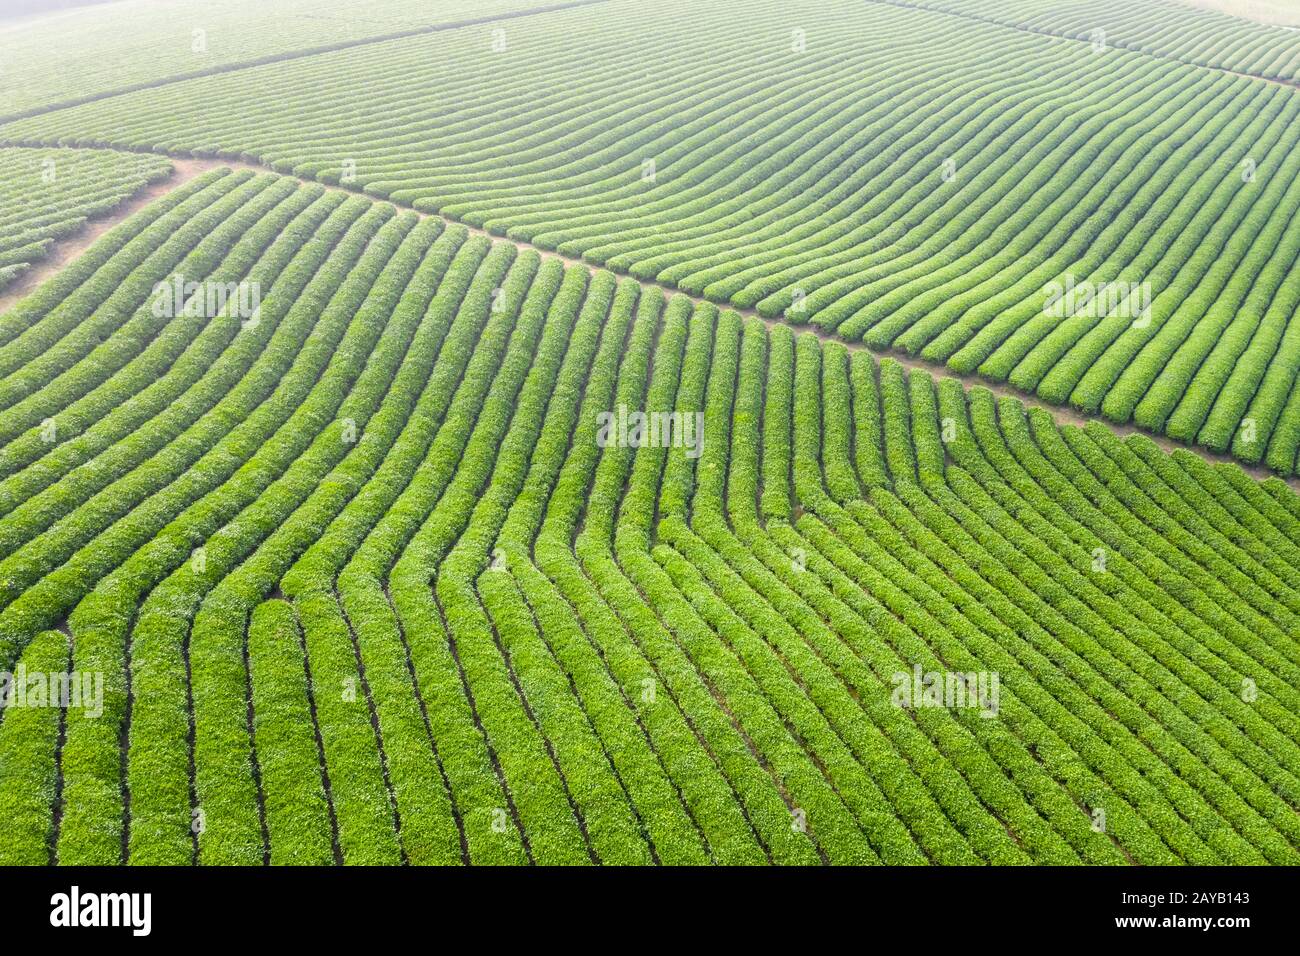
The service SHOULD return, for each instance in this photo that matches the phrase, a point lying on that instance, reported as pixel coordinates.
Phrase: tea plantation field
(535, 440)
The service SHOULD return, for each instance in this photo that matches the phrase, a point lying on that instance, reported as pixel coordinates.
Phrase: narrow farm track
(371, 579)
(189, 167)
(1292, 82)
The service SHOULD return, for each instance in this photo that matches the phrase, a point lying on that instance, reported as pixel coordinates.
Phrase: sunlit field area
(625, 432)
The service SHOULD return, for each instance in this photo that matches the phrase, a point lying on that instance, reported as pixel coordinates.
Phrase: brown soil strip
(187, 168)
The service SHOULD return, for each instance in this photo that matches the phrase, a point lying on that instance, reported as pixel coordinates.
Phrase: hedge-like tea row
(395, 575)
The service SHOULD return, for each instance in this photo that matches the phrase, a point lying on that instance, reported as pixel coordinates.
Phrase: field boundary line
(66, 251)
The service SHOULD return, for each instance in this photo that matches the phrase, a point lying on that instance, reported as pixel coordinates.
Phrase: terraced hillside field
(367, 584)
(528, 434)
(77, 55)
(918, 177)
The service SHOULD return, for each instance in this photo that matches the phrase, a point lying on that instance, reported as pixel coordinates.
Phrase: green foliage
(369, 582)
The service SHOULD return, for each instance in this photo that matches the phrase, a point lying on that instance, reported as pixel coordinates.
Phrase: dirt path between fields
(187, 168)
(1290, 84)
